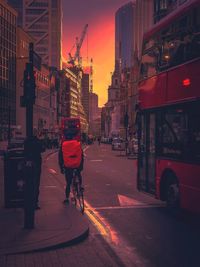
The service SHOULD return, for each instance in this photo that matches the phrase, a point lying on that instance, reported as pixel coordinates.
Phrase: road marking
(96, 219)
(96, 160)
(52, 171)
(130, 207)
(127, 254)
(127, 201)
(101, 224)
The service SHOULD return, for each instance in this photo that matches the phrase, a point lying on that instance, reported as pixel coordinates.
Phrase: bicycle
(77, 191)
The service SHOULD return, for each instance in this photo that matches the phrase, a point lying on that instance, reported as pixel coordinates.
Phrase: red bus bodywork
(173, 86)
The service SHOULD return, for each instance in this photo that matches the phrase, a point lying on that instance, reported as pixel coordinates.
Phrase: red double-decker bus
(169, 109)
(71, 127)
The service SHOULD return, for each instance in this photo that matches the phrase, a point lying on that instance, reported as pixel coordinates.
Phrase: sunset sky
(99, 41)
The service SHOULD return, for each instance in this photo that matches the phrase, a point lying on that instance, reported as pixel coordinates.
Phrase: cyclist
(70, 157)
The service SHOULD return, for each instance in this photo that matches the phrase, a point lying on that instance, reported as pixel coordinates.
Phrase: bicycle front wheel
(81, 201)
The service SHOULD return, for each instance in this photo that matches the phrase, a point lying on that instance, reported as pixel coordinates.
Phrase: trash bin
(14, 180)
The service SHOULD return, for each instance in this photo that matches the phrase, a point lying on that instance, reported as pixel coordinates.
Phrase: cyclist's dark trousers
(68, 177)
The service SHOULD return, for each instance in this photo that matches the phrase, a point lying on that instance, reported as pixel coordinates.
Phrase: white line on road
(96, 160)
(138, 206)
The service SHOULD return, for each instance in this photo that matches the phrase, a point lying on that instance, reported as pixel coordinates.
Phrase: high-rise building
(124, 35)
(93, 107)
(8, 23)
(85, 93)
(42, 21)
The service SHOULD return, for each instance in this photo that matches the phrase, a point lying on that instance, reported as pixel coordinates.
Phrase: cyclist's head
(68, 135)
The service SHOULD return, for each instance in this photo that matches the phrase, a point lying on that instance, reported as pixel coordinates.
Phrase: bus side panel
(189, 182)
(183, 82)
(152, 92)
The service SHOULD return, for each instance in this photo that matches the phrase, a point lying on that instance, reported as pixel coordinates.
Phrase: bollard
(29, 196)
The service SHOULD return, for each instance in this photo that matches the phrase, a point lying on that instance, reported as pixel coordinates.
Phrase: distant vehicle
(105, 140)
(133, 146)
(118, 144)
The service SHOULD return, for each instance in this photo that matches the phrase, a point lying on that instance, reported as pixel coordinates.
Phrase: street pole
(29, 106)
(28, 101)
(9, 124)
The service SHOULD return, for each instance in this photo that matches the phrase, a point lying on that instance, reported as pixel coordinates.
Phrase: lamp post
(9, 124)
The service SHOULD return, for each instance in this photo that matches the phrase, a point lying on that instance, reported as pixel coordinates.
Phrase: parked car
(133, 146)
(118, 144)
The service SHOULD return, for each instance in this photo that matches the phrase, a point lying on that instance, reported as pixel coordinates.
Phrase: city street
(127, 228)
(117, 81)
(146, 232)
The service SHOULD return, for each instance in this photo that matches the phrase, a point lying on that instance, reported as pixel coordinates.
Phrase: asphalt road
(133, 226)
(142, 224)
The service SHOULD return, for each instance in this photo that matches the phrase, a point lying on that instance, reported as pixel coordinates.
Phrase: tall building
(124, 35)
(42, 20)
(93, 107)
(8, 23)
(85, 93)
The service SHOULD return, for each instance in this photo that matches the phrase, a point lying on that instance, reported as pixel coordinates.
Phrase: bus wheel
(172, 197)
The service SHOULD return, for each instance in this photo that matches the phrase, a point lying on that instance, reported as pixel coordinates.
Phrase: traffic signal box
(28, 97)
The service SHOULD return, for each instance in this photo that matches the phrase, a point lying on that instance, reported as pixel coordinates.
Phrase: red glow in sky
(99, 41)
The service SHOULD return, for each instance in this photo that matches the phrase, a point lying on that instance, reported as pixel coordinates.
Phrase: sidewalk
(56, 224)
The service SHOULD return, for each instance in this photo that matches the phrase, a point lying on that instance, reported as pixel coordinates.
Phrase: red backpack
(72, 153)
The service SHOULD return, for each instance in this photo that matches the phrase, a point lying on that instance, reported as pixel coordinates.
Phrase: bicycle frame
(77, 191)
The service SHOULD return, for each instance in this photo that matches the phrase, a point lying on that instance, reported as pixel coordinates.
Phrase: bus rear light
(186, 82)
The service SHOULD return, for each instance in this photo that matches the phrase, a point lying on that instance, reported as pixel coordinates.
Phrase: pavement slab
(56, 224)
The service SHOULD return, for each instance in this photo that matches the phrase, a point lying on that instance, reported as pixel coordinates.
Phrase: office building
(42, 21)
(7, 70)
(124, 35)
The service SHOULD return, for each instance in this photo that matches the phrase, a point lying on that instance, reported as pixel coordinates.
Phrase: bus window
(174, 133)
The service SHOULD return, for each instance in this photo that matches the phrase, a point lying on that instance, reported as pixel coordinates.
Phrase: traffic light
(29, 85)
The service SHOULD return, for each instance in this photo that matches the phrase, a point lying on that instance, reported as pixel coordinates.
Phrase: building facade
(124, 35)
(8, 22)
(42, 21)
(85, 93)
(69, 98)
(93, 107)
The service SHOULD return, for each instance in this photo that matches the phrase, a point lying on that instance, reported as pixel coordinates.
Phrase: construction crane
(91, 75)
(77, 56)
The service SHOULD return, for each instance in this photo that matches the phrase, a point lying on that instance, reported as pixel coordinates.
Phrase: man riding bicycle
(70, 157)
